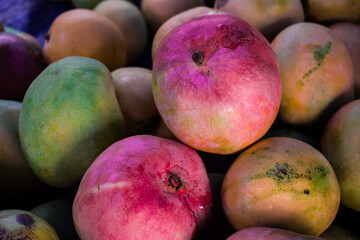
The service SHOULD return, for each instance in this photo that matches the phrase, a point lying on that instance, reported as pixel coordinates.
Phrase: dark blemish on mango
(198, 57)
(174, 182)
(25, 219)
(306, 191)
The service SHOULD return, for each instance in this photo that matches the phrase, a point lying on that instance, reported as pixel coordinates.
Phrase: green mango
(69, 115)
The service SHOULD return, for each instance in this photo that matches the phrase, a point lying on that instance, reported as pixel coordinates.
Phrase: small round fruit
(316, 73)
(82, 32)
(20, 224)
(283, 183)
(143, 187)
(340, 144)
(131, 23)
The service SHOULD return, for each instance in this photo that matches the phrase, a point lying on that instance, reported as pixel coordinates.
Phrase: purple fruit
(20, 64)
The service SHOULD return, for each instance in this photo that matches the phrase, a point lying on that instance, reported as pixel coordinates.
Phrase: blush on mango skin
(216, 83)
(143, 187)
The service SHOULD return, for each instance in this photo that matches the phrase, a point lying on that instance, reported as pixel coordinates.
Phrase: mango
(283, 183)
(69, 116)
(20, 224)
(16, 177)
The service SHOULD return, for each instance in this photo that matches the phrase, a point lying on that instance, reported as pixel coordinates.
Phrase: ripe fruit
(216, 83)
(16, 177)
(340, 144)
(69, 116)
(82, 32)
(268, 16)
(177, 20)
(20, 65)
(20, 224)
(316, 74)
(284, 183)
(143, 187)
(131, 23)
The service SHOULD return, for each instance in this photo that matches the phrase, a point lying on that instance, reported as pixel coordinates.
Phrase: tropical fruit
(16, 177)
(283, 183)
(86, 33)
(20, 224)
(268, 16)
(69, 116)
(340, 144)
(316, 73)
(131, 23)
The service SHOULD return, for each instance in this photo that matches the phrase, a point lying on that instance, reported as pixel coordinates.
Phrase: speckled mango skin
(316, 73)
(228, 99)
(266, 233)
(20, 224)
(283, 183)
(68, 117)
(127, 194)
(340, 144)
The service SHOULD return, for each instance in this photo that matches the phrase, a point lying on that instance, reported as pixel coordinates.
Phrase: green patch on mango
(320, 52)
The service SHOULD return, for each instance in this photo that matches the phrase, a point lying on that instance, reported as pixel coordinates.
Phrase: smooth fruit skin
(130, 21)
(340, 143)
(349, 33)
(20, 64)
(20, 224)
(316, 72)
(68, 117)
(268, 16)
(284, 183)
(266, 233)
(86, 33)
(16, 177)
(216, 83)
(143, 187)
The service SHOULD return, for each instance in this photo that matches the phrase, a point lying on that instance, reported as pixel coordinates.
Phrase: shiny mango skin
(68, 117)
(20, 224)
(284, 183)
(340, 144)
